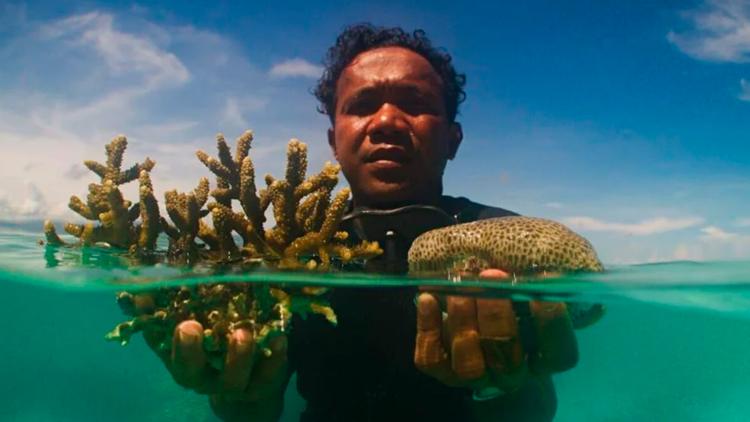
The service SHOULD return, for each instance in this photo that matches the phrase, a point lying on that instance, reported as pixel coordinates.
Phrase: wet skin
(393, 139)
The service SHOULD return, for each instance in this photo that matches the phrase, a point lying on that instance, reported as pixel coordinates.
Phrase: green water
(673, 345)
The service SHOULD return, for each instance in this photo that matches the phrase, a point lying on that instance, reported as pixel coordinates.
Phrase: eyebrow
(371, 90)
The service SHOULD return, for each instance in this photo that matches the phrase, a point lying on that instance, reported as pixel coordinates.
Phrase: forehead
(388, 66)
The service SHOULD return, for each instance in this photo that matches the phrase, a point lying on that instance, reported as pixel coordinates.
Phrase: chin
(391, 192)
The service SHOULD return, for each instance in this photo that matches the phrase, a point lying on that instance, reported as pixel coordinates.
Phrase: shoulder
(466, 210)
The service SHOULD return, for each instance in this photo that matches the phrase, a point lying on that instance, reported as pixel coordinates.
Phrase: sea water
(673, 345)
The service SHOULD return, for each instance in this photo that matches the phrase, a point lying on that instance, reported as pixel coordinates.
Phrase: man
(392, 100)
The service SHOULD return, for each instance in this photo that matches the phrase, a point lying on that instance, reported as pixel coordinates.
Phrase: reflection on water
(672, 345)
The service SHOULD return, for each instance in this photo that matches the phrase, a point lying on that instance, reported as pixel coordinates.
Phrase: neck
(426, 200)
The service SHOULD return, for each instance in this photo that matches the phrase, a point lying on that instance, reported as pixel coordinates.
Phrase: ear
(456, 135)
(332, 142)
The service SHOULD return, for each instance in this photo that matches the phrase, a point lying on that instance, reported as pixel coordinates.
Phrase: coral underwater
(223, 225)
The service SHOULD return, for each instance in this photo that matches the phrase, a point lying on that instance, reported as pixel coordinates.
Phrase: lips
(390, 154)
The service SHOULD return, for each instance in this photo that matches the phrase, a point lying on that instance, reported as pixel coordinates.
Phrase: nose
(389, 125)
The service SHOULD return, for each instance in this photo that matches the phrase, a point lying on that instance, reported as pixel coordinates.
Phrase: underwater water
(674, 344)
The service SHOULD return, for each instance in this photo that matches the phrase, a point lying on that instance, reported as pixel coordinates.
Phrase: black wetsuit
(362, 369)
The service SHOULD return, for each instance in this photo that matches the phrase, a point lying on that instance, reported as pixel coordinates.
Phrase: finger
(494, 273)
(135, 304)
(583, 315)
(270, 372)
(188, 358)
(556, 340)
(438, 293)
(429, 354)
(467, 359)
(498, 331)
(144, 303)
(239, 361)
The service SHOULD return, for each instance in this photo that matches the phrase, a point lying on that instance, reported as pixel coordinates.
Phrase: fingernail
(494, 273)
(191, 327)
(187, 337)
(424, 305)
(189, 332)
(242, 337)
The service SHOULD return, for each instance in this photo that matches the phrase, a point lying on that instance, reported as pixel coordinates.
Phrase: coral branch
(248, 198)
(51, 234)
(105, 204)
(244, 143)
(296, 163)
(149, 213)
(305, 236)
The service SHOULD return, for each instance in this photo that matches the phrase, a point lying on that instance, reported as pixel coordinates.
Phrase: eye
(362, 107)
(416, 106)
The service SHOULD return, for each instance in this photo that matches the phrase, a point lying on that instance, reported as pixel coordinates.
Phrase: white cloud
(716, 233)
(744, 90)
(121, 51)
(295, 67)
(743, 222)
(642, 228)
(31, 206)
(716, 243)
(47, 128)
(555, 205)
(165, 87)
(75, 172)
(721, 32)
(713, 244)
(232, 114)
(236, 110)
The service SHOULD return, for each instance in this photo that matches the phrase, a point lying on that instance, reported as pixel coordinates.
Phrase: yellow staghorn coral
(226, 168)
(327, 242)
(224, 223)
(111, 171)
(282, 196)
(50, 234)
(249, 199)
(296, 166)
(149, 214)
(325, 180)
(305, 236)
(105, 204)
(306, 218)
(185, 212)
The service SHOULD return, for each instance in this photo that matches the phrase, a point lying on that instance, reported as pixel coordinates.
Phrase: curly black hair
(356, 39)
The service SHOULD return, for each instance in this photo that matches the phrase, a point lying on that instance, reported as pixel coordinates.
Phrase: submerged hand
(249, 384)
(478, 343)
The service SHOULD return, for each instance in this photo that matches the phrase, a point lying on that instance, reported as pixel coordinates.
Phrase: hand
(250, 383)
(478, 343)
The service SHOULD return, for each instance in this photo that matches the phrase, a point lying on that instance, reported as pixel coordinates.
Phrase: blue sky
(629, 121)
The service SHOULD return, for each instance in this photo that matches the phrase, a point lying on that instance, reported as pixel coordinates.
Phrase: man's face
(391, 134)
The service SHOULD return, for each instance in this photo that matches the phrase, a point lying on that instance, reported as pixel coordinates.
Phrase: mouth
(388, 156)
